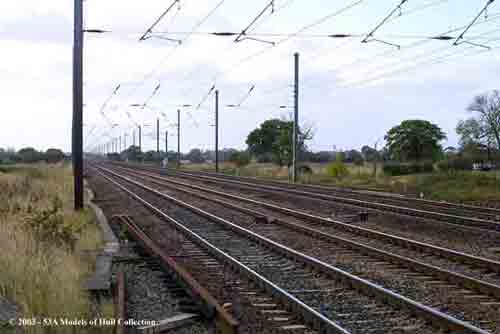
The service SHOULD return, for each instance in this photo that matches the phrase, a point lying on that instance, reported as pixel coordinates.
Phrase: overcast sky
(351, 92)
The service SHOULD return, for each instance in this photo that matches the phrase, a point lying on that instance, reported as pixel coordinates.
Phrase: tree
(370, 154)
(152, 156)
(240, 159)
(354, 156)
(274, 137)
(29, 155)
(414, 140)
(484, 127)
(54, 155)
(133, 153)
(195, 155)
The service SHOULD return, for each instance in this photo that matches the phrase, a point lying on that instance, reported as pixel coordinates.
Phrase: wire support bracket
(369, 37)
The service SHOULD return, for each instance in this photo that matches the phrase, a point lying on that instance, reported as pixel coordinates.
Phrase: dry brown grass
(41, 239)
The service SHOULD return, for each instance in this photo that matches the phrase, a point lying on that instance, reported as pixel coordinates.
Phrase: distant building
(483, 166)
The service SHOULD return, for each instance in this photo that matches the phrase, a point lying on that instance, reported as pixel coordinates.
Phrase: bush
(304, 169)
(397, 169)
(54, 155)
(240, 159)
(337, 169)
(264, 158)
(455, 164)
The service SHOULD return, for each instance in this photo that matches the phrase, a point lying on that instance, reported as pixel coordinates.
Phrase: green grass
(41, 239)
(463, 186)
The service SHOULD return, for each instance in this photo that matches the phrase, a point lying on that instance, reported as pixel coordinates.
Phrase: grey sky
(352, 92)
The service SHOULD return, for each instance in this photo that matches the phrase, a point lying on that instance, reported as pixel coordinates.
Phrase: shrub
(53, 155)
(240, 159)
(337, 169)
(264, 158)
(397, 169)
(304, 169)
(455, 164)
(49, 225)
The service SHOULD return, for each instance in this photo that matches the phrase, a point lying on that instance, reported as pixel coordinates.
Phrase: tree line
(31, 155)
(415, 144)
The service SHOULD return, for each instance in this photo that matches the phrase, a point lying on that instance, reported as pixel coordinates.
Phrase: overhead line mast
(77, 135)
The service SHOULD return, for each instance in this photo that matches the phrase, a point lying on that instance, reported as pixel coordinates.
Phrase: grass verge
(41, 242)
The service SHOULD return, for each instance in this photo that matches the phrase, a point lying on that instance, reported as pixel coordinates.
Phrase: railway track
(485, 213)
(465, 218)
(318, 284)
(483, 243)
(322, 226)
(262, 305)
(446, 269)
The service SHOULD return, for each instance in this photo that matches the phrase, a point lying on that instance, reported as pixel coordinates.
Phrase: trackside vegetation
(46, 248)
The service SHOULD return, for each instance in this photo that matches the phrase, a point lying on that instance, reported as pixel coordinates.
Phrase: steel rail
(400, 241)
(207, 303)
(433, 316)
(457, 278)
(374, 193)
(491, 213)
(311, 316)
(470, 223)
(120, 311)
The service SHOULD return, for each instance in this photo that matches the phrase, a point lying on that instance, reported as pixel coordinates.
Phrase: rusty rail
(120, 311)
(208, 304)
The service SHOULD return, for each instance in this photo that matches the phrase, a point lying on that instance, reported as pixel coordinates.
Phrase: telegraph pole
(77, 136)
(140, 140)
(166, 147)
(133, 136)
(178, 138)
(119, 144)
(157, 135)
(217, 131)
(295, 118)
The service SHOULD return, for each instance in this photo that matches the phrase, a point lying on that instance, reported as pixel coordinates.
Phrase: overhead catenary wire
(205, 97)
(102, 109)
(460, 38)
(243, 34)
(366, 60)
(150, 29)
(152, 72)
(369, 37)
(422, 38)
(230, 46)
(287, 38)
(297, 34)
(351, 36)
(433, 60)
